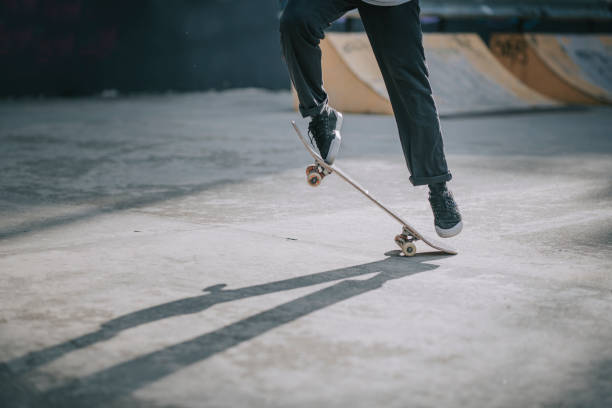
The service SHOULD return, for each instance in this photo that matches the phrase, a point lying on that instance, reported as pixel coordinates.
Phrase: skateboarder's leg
(396, 38)
(301, 26)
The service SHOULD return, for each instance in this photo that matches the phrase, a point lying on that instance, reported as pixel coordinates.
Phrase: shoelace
(444, 203)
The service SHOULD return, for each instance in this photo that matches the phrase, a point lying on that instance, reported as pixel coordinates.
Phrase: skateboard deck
(315, 174)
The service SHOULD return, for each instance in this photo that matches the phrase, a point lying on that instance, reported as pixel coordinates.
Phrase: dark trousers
(396, 38)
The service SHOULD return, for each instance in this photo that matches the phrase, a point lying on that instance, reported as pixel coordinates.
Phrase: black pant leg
(302, 26)
(397, 40)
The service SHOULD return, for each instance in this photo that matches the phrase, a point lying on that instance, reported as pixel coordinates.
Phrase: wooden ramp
(465, 76)
(573, 69)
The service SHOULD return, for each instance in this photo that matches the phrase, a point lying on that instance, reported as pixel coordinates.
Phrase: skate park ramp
(573, 69)
(465, 77)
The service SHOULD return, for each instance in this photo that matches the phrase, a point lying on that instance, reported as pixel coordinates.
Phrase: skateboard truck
(315, 174)
(406, 241)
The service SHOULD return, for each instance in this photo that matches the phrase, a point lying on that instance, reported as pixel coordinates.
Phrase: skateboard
(316, 172)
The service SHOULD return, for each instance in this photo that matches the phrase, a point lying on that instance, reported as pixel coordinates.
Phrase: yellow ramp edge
(465, 76)
(351, 76)
(569, 68)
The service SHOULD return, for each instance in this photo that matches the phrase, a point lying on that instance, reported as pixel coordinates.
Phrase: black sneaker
(447, 218)
(325, 130)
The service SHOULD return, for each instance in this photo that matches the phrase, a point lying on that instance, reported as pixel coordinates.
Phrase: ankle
(436, 188)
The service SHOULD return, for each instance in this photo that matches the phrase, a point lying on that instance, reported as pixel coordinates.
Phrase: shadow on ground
(595, 392)
(118, 205)
(108, 385)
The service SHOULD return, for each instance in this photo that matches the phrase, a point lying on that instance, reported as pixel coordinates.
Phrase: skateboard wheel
(310, 169)
(409, 249)
(399, 240)
(314, 179)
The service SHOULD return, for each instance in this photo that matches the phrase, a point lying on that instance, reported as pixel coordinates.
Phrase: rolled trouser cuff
(421, 181)
(315, 110)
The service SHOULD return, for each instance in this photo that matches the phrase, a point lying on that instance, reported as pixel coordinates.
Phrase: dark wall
(76, 47)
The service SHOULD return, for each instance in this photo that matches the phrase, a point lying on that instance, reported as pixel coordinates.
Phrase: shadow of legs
(180, 307)
(122, 379)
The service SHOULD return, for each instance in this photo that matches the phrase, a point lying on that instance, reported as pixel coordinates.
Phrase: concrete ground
(166, 251)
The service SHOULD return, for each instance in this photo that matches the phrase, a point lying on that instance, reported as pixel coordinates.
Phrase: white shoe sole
(451, 232)
(334, 146)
